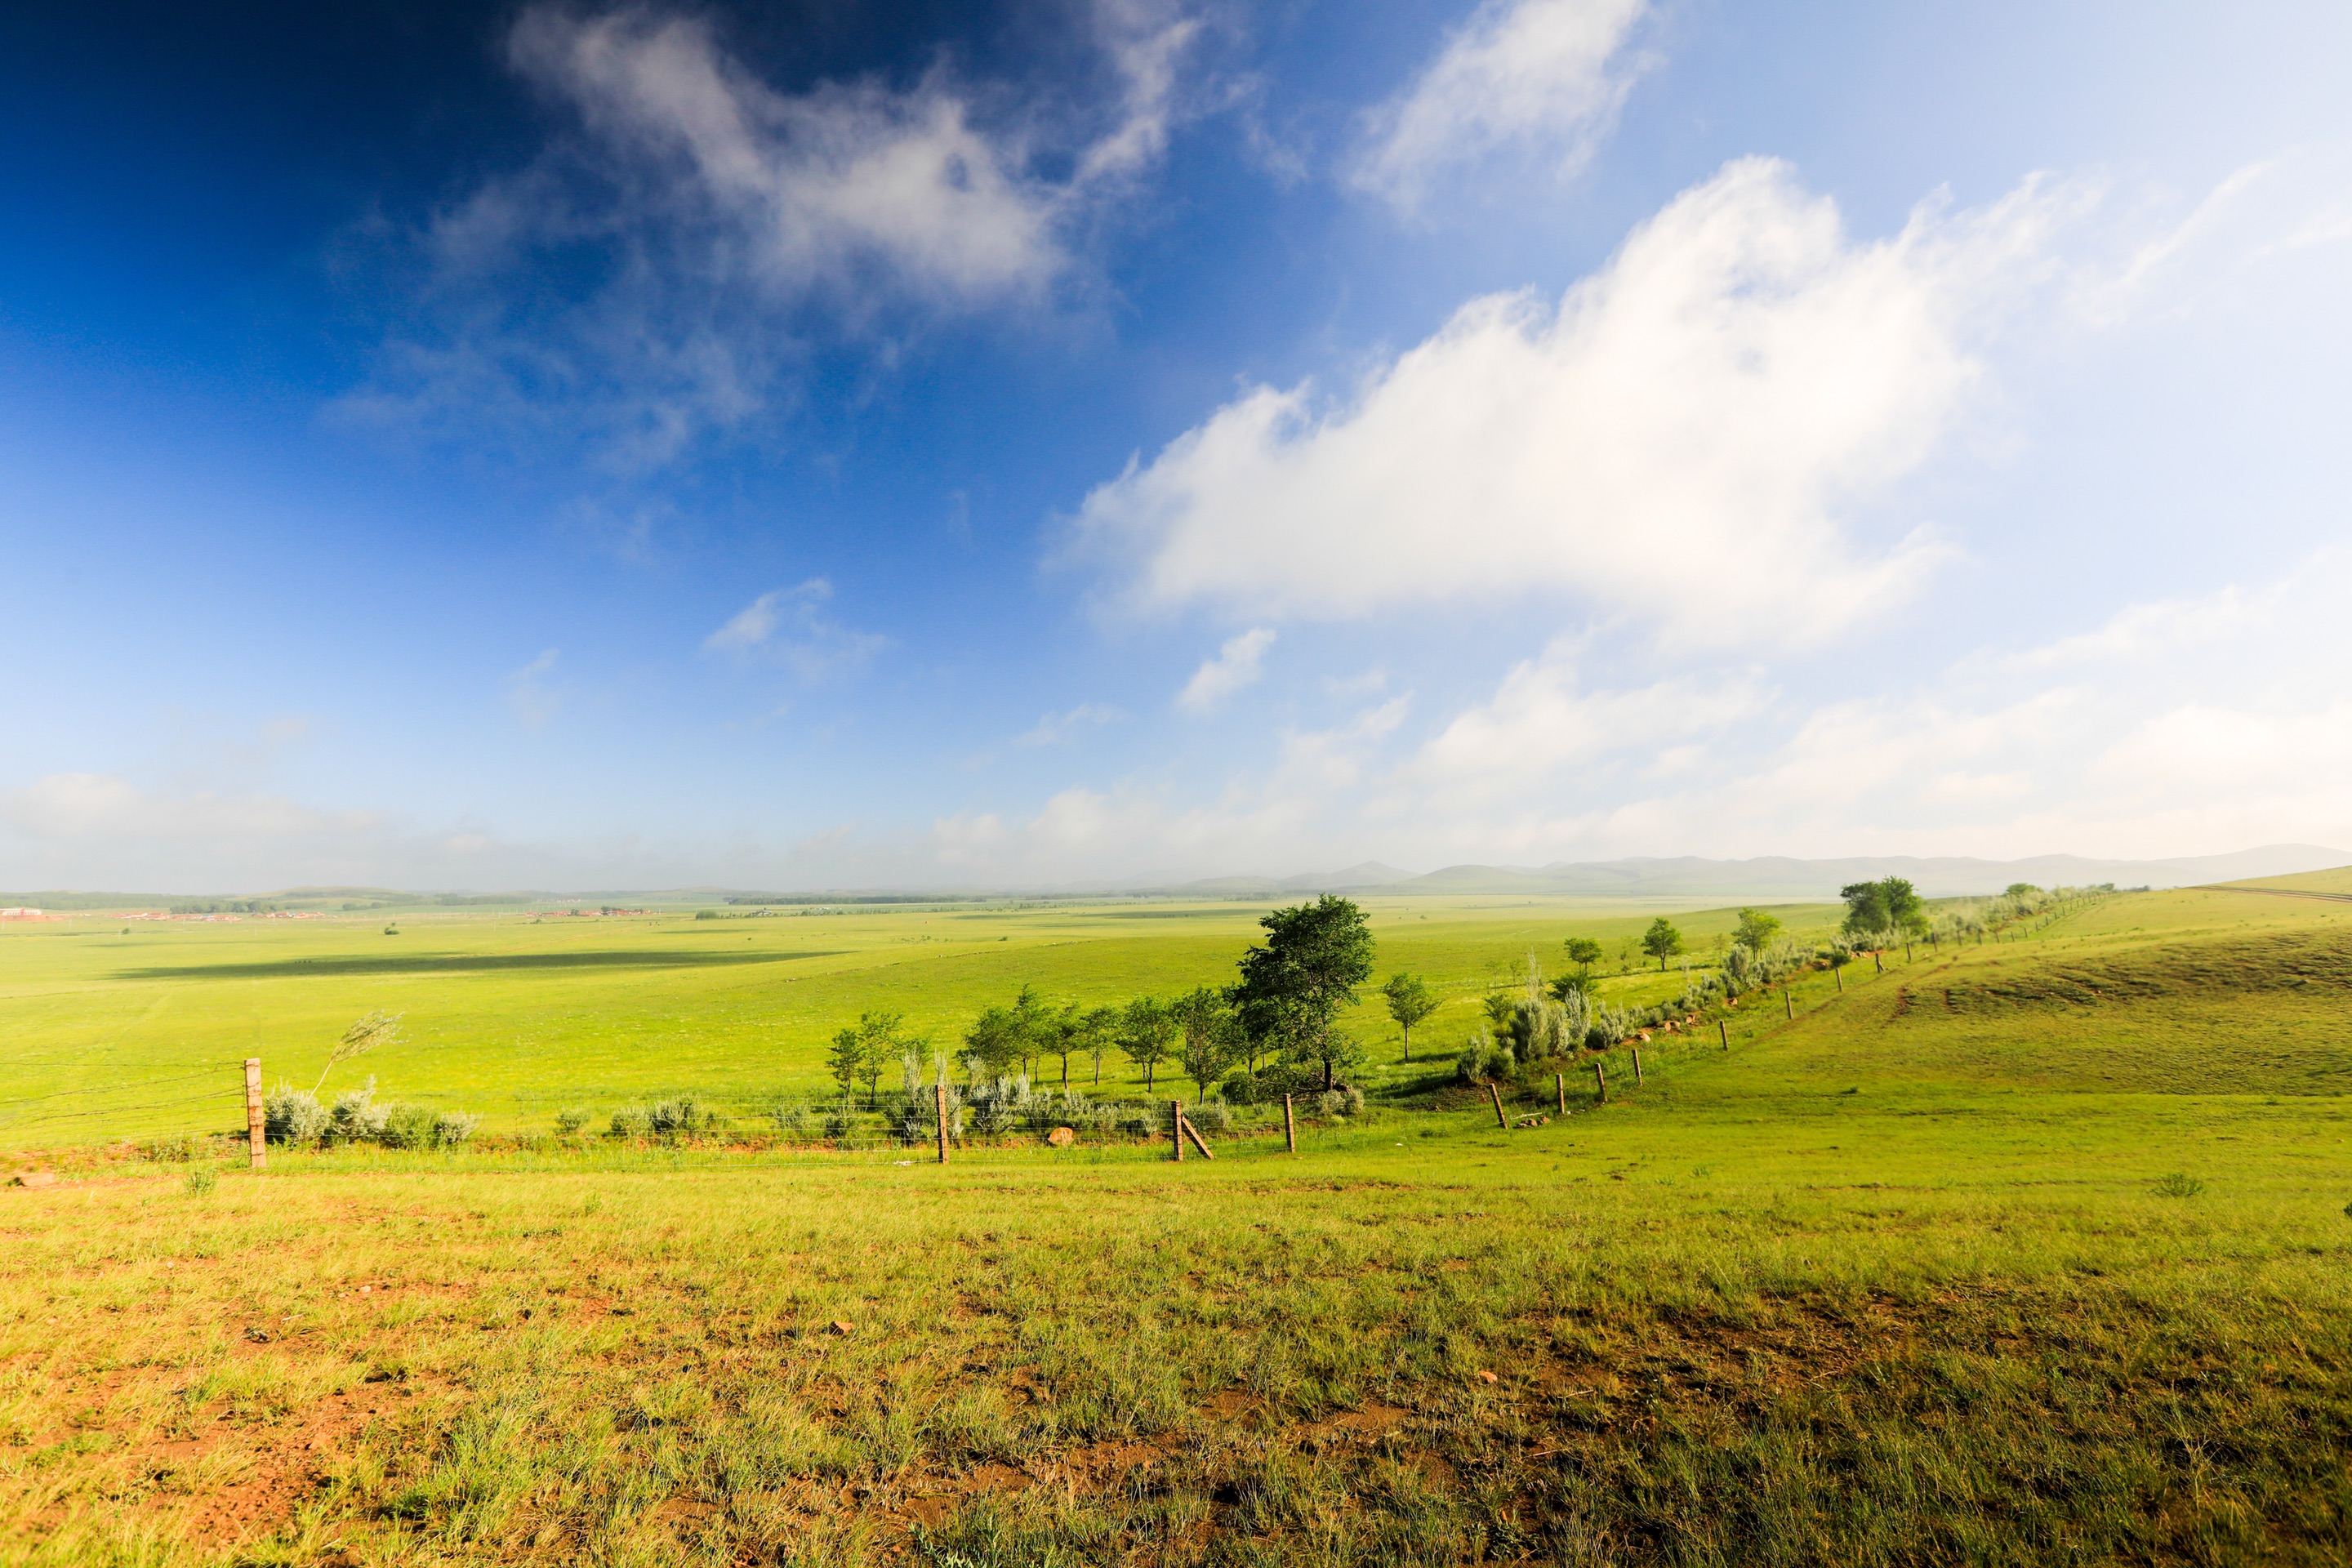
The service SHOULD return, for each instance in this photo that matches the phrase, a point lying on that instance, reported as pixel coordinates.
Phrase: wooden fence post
(1723, 1034)
(1839, 970)
(254, 1131)
(1289, 1127)
(1176, 1128)
(940, 1100)
(1788, 1004)
(1560, 1087)
(1496, 1096)
(1637, 1066)
(1599, 1080)
(1193, 1132)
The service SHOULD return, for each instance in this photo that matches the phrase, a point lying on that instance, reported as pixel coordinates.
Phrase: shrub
(675, 1118)
(571, 1120)
(1240, 1087)
(405, 1126)
(177, 1151)
(201, 1180)
(841, 1120)
(1211, 1116)
(633, 1122)
(292, 1116)
(452, 1128)
(356, 1118)
(791, 1116)
(2178, 1185)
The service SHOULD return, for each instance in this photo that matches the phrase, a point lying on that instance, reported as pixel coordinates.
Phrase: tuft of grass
(2178, 1185)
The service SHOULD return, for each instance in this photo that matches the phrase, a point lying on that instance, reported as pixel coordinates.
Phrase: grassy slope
(1742, 1315)
(514, 1018)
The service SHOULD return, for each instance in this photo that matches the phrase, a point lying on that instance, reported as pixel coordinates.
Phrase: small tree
(1147, 1029)
(1210, 1035)
(1584, 952)
(994, 1040)
(364, 1035)
(1756, 930)
(1100, 1027)
(878, 1045)
(1662, 941)
(1064, 1033)
(846, 1060)
(1410, 1001)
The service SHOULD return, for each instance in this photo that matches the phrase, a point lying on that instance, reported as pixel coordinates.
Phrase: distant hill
(2333, 883)
(1780, 877)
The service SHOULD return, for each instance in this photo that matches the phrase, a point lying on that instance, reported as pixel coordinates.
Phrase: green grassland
(2032, 1251)
(512, 1015)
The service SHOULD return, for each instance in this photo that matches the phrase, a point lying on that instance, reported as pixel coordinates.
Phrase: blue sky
(585, 447)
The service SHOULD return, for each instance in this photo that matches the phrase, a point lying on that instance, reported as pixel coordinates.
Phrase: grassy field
(2030, 1252)
(513, 1017)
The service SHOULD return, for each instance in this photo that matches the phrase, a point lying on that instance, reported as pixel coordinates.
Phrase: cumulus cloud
(812, 644)
(1236, 664)
(1688, 437)
(727, 227)
(1544, 74)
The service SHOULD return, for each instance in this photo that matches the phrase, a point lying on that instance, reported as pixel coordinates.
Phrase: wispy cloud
(1236, 664)
(736, 227)
(1547, 76)
(1053, 729)
(533, 700)
(811, 644)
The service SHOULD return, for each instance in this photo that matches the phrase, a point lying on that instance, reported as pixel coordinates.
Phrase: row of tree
(1284, 1007)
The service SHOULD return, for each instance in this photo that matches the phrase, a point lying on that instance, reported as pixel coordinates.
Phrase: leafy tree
(1499, 1007)
(1584, 952)
(1410, 1001)
(1145, 1031)
(846, 1060)
(1756, 930)
(1064, 1032)
(2020, 890)
(1293, 987)
(1210, 1035)
(878, 1045)
(1885, 906)
(1098, 1029)
(1662, 941)
(996, 1040)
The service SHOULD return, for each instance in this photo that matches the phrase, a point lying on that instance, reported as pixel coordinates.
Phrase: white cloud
(733, 226)
(1550, 74)
(528, 693)
(1687, 438)
(1236, 664)
(1053, 729)
(815, 647)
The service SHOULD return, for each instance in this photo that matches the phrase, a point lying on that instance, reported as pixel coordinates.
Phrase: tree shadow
(463, 963)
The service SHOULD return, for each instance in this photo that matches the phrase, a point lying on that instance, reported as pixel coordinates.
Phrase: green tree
(2020, 890)
(846, 1060)
(1146, 1030)
(1294, 985)
(1662, 941)
(1882, 908)
(1756, 930)
(1100, 1027)
(1584, 952)
(1410, 1001)
(879, 1044)
(1066, 1032)
(994, 1041)
(1210, 1035)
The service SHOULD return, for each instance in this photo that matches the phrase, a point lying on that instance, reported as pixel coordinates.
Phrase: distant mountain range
(1771, 877)
(1779, 877)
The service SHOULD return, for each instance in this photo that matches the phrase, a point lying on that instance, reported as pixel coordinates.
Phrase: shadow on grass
(463, 963)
